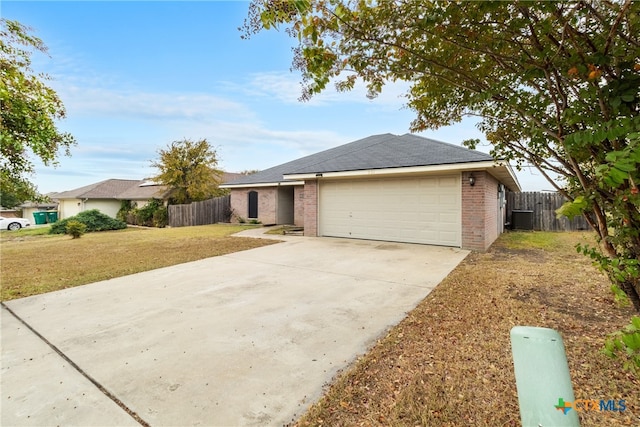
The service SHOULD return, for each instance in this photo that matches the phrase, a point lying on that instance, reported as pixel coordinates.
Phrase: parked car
(13, 223)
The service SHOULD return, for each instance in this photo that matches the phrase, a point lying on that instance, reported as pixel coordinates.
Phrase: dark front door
(253, 204)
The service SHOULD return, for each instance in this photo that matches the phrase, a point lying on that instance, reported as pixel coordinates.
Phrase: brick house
(384, 187)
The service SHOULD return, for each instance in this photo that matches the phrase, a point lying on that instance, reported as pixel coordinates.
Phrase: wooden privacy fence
(201, 213)
(544, 207)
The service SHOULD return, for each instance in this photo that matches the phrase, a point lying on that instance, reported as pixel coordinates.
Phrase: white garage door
(414, 210)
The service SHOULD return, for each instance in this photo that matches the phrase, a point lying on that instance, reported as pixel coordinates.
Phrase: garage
(397, 188)
(424, 209)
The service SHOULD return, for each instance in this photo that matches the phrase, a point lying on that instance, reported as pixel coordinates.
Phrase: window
(253, 204)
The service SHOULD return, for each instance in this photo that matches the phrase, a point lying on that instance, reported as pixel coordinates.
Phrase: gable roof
(145, 190)
(385, 151)
(119, 189)
(231, 176)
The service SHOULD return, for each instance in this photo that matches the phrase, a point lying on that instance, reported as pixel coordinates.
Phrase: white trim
(509, 175)
(263, 184)
(506, 175)
(395, 171)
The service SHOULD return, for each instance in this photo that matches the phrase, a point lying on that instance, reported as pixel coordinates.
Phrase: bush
(125, 209)
(625, 344)
(161, 217)
(151, 214)
(93, 219)
(75, 229)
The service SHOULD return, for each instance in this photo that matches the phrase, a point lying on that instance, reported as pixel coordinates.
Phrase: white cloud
(99, 101)
(286, 88)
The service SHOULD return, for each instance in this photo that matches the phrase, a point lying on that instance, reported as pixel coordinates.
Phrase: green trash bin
(52, 217)
(40, 217)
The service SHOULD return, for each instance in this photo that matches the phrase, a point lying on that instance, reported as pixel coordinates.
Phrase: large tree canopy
(29, 111)
(555, 84)
(190, 169)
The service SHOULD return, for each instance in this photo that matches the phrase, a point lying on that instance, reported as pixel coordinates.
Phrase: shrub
(125, 208)
(161, 217)
(93, 219)
(75, 229)
(146, 215)
(625, 344)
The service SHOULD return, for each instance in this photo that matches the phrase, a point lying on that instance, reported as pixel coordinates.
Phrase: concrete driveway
(248, 338)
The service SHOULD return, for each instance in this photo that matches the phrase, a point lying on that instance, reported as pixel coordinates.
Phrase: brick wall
(311, 208)
(479, 211)
(266, 204)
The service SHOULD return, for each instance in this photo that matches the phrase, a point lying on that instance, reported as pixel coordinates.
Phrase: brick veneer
(266, 204)
(479, 208)
(479, 211)
(311, 208)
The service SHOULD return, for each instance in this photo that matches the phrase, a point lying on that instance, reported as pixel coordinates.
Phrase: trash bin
(52, 216)
(40, 217)
(521, 220)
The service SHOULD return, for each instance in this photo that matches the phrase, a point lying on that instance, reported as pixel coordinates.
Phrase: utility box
(545, 392)
(521, 220)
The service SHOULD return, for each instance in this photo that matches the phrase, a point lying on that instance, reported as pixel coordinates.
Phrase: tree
(249, 171)
(189, 168)
(555, 84)
(15, 191)
(29, 111)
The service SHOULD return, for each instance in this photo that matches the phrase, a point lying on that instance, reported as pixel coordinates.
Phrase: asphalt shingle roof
(374, 152)
(121, 189)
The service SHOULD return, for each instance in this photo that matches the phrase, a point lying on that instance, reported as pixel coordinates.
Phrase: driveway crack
(93, 381)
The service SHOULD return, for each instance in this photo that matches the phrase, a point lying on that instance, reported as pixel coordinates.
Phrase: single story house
(9, 213)
(107, 196)
(29, 208)
(384, 187)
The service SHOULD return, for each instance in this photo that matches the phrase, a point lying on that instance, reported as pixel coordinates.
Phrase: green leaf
(574, 208)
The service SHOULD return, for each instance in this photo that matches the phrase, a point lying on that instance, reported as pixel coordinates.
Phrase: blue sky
(135, 76)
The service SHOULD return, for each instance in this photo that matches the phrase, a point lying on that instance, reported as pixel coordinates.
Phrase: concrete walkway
(248, 338)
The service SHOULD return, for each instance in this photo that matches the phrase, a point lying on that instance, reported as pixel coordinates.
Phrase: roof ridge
(320, 152)
(448, 144)
(347, 152)
(372, 152)
(87, 190)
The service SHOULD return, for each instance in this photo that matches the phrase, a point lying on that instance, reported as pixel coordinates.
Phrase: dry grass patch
(35, 264)
(449, 362)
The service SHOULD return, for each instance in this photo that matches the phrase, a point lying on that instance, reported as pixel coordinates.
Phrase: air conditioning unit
(521, 220)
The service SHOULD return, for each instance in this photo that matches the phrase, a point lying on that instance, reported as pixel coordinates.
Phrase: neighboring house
(28, 208)
(231, 176)
(385, 187)
(9, 213)
(107, 196)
